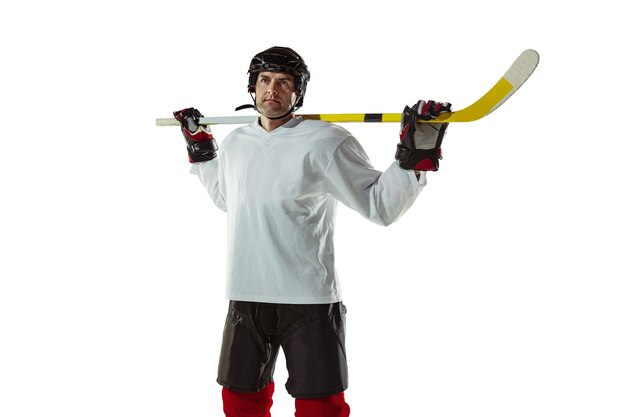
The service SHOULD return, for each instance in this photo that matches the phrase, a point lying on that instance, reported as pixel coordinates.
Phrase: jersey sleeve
(381, 197)
(212, 178)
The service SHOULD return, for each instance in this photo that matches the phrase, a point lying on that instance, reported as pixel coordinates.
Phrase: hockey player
(279, 180)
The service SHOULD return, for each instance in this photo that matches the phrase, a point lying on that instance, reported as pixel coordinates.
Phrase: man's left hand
(420, 143)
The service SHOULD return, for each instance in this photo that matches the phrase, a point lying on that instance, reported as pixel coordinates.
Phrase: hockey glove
(201, 146)
(420, 143)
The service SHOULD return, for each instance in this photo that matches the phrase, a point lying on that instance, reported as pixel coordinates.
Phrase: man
(279, 180)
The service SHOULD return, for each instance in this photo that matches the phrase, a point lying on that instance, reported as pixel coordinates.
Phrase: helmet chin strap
(253, 106)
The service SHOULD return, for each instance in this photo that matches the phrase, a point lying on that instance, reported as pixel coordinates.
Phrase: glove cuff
(418, 159)
(202, 151)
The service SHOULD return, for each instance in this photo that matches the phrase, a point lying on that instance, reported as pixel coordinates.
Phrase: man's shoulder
(319, 130)
(238, 133)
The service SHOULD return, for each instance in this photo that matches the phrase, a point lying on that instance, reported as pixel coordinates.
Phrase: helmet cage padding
(280, 59)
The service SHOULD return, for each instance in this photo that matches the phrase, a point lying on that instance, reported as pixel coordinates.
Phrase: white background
(500, 293)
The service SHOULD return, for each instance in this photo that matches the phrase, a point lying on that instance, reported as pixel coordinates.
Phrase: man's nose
(271, 87)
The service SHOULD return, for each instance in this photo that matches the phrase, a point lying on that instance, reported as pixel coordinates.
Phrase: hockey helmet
(280, 59)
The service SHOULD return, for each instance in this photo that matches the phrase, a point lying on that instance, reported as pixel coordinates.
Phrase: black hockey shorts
(312, 337)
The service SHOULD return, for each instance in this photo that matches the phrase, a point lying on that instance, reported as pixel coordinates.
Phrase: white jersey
(280, 191)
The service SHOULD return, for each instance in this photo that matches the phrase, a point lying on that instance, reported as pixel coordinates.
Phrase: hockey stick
(510, 82)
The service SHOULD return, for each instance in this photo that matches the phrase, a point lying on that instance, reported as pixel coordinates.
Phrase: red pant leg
(333, 406)
(248, 404)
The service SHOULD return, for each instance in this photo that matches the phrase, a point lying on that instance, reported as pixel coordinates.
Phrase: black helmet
(280, 59)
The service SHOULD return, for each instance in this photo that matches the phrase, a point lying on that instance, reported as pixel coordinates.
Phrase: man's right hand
(201, 146)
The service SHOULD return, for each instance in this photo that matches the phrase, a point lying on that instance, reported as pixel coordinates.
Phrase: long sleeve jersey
(280, 190)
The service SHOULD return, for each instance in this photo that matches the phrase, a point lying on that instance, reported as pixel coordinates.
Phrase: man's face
(275, 93)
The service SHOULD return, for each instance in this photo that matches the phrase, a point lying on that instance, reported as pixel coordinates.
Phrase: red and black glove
(420, 143)
(201, 146)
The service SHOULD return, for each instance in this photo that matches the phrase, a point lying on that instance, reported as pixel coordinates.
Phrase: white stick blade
(520, 71)
(522, 68)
